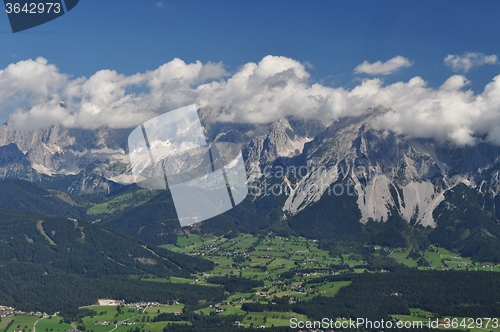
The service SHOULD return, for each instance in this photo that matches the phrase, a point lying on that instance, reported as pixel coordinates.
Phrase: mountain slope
(79, 247)
(14, 164)
(26, 196)
(51, 263)
(35, 287)
(156, 221)
(468, 224)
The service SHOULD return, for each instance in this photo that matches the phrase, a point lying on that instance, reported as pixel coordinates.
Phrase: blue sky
(132, 36)
(434, 62)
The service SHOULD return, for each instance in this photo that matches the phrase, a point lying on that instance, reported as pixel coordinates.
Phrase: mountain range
(348, 179)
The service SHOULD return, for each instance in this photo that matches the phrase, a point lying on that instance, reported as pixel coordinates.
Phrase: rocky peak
(92, 183)
(14, 164)
(280, 141)
(10, 154)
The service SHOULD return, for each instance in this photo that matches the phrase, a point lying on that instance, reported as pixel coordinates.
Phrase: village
(115, 313)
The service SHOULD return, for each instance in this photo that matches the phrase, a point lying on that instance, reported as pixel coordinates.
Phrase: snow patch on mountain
(293, 148)
(123, 179)
(78, 153)
(42, 169)
(97, 151)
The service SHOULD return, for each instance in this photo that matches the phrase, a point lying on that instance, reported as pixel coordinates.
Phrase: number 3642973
(33, 8)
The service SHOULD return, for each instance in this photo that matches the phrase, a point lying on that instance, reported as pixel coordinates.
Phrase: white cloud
(386, 68)
(469, 60)
(28, 79)
(160, 4)
(104, 99)
(260, 92)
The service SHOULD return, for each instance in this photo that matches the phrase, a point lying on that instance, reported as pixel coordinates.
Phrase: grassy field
(439, 258)
(331, 288)
(434, 258)
(5, 321)
(101, 208)
(171, 279)
(191, 240)
(400, 256)
(122, 202)
(165, 309)
(181, 281)
(52, 324)
(143, 319)
(230, 310)
(23, 322)
(270, 318)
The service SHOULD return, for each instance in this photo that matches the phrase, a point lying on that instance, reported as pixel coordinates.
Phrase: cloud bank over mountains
(259, 92)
